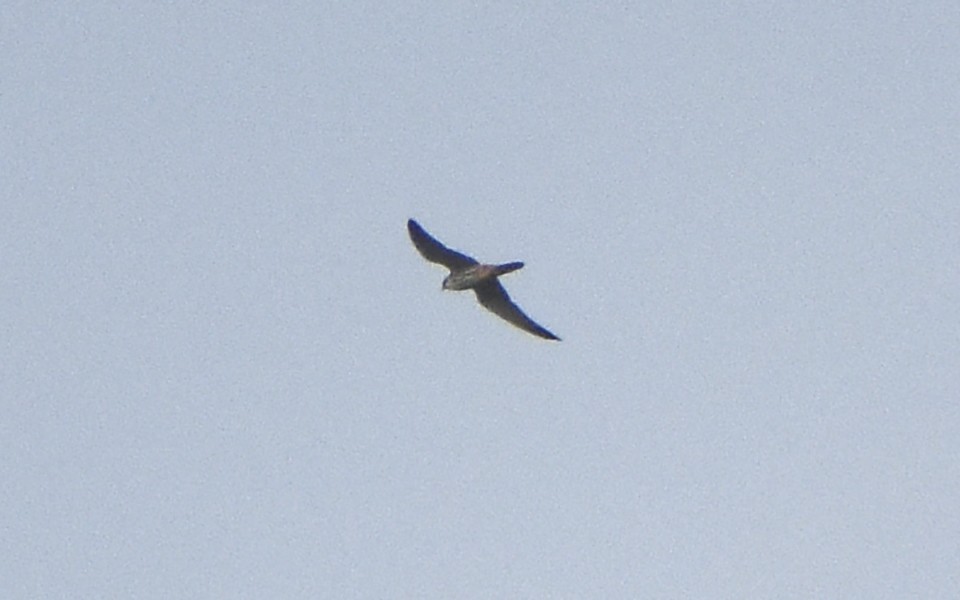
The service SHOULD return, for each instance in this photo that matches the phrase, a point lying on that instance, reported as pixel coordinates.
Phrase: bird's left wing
(434, 251)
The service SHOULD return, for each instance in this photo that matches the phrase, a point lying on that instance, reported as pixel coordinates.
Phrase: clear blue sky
(226, 373)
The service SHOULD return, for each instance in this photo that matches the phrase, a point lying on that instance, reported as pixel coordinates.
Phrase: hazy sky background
(226, 372)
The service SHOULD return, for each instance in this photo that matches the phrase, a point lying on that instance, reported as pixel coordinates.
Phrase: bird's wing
(434, 251)
(492, 296)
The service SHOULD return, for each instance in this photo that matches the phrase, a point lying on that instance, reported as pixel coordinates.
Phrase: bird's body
(472, 276)
(466, 274)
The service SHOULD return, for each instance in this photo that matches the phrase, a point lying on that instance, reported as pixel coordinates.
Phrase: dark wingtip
(413, 228)
(546, 334)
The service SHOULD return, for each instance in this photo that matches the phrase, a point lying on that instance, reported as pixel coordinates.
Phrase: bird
(467, 273)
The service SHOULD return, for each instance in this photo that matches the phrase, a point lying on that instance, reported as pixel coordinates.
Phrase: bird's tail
(508, 268)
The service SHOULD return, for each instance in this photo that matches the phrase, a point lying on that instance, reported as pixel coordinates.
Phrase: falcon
(468, 274)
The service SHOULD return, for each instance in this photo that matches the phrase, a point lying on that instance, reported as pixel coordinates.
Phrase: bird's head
(445, 285)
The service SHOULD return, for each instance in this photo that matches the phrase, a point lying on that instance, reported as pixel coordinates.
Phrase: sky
(225, 371)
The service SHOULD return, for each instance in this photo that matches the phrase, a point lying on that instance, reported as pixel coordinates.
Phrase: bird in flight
(466, 273)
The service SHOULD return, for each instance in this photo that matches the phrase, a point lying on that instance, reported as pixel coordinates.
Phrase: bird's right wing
(434, 251)
(495, 299)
